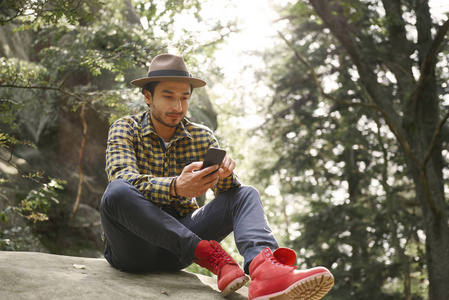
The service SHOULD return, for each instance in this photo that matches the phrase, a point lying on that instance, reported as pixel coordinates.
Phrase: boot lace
(216, 258)
(276, 262)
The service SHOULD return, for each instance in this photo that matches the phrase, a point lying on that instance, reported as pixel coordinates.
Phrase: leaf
(81, 267)
(3, 216)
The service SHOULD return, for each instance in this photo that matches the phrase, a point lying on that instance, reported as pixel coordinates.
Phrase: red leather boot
(274, 277)
(230, 277)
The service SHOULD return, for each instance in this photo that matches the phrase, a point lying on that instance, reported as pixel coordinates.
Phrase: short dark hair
(151, 86)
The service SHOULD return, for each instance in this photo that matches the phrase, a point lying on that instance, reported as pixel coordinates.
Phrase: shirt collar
(181, 132)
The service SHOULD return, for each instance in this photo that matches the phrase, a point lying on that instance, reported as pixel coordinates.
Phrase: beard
(165, 118)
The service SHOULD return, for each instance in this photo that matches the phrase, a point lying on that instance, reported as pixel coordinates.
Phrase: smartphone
(214, 156)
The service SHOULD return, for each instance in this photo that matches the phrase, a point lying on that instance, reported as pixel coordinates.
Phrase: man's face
(169, 103)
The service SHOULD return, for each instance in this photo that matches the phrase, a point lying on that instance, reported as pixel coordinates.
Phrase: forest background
(341, 123)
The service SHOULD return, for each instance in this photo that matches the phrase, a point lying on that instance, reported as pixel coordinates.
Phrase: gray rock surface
(32, 275)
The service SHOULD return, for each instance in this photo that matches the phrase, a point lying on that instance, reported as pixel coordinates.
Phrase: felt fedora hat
(168, 67)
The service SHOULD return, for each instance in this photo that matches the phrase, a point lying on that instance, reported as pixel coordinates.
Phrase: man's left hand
(227, 167)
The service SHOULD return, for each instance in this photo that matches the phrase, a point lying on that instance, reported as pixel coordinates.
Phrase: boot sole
(235, 285)
(311, 288)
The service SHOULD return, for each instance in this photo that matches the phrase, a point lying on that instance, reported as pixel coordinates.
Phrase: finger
(193, 166)
(207, 171)
(211, 182)
(225, 172)
(229, 164)
(232, 165)
(226, 161)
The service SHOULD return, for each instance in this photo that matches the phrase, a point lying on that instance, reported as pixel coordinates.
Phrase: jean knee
(116, 190)
(246, 194)
(249, 192)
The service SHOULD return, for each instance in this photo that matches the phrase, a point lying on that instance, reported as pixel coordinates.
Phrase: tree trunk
(426, 144)
(416, 121)
(429, 192)
(437, 245)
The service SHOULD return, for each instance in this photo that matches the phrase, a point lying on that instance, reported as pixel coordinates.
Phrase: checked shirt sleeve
(121, 162)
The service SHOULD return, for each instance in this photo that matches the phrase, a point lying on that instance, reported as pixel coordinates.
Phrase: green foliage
(6, 139)
(35, 206)
(38, 201)
(8, 111)
(21, 73)
(41, 11)
(8, 116)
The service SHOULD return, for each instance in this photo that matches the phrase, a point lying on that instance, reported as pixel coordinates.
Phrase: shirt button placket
(167, 162)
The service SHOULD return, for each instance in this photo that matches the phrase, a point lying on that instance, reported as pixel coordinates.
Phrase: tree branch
(369, 104)
(50, 88)
(67, 78)
(8, 161)
(433, 142)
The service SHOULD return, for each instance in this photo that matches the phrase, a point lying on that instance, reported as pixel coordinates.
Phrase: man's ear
(147, 97)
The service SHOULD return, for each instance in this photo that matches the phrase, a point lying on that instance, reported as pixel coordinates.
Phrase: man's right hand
(194, 182)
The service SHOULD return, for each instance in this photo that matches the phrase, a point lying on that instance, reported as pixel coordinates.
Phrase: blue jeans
(143, 237)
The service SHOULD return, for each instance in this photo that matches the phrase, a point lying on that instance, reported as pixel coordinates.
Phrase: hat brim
(195, 82)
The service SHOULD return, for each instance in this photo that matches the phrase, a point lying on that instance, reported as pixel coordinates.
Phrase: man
(149, 214)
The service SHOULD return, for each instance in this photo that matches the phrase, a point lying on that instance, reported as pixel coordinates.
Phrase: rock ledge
(32, 275)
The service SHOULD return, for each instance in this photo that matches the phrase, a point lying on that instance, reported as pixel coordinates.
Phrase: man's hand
(227, 167)
(194, 182)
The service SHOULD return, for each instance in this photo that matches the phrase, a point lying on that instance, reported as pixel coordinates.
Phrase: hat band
(170, 73)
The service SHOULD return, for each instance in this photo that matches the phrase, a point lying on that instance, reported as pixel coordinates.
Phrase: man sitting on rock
(149, 214)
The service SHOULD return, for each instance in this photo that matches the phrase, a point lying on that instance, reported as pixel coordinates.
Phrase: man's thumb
(194, 166)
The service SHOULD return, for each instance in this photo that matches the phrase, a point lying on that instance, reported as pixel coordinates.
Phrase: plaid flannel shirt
(137, 154)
